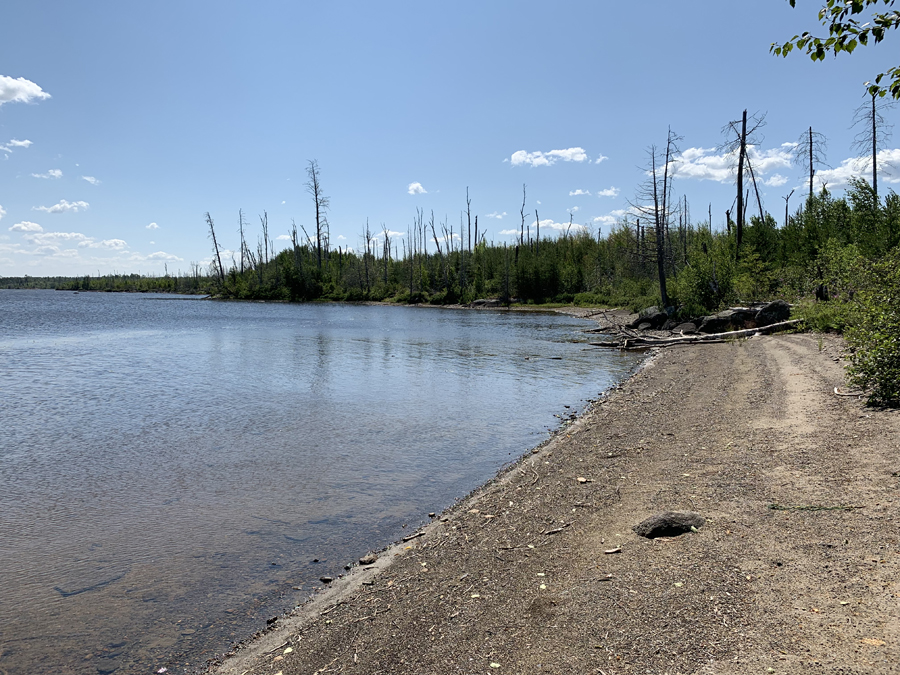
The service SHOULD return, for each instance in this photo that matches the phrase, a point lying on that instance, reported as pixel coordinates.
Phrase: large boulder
(730, 319)
(688, 328)
(669, 524)
(774, 312)
(653, 316)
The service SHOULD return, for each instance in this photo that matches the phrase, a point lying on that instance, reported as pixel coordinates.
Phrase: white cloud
(14, 143)
(62, 207)
(579, 192)
(416, 189)
(498, 216)
(52, 173)
(605, 220)
(391, 233)
(20, 90)
(861, 167)
(609, 192)
(163, 256)
(708, 164)
(26, 226)
(283, 202)
(549, 223)
(112, 244)
(283, 237)
(91, 180)
(509, 232)
(51, 238)
(2, 212)
(539, 158)
(574, 209)
(53, 251)
(342, 237)
(775, 180)
(600, 159)
(152, 226)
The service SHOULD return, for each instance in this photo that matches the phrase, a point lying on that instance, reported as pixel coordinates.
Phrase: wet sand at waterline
(538, 571)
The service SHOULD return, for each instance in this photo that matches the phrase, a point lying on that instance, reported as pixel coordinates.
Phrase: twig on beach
(414, 535)
(855, 394)
(557, 530)
(281, 646)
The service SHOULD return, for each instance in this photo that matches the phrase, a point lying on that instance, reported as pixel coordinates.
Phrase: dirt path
(517, 578)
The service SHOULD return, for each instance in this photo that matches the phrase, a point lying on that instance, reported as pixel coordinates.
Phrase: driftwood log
(645, 342)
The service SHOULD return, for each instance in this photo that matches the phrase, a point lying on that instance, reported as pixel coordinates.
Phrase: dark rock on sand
(669, 524)
(653, 316)
(730, 319)
(774, 312)
(687, 328)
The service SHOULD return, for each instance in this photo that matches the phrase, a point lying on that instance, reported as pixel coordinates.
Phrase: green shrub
(824, 317)
(875, 333)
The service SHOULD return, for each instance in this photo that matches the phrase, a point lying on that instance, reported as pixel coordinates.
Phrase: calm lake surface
(170, 467)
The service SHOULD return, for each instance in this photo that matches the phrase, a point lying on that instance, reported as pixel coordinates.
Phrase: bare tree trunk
(243, 243)
(212, 233)
(786, 201)
(314, 188)
(366, 254)
(740, 184)
(756, 189)
(469, 219)
(660, 242)
(874, 150)
(537, 250)
(264, 222)
(522, 211)
(811, 169)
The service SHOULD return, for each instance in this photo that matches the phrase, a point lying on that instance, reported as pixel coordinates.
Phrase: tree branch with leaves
(850, 23)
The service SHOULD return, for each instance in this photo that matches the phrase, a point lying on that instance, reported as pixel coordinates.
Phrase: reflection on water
(170, 468)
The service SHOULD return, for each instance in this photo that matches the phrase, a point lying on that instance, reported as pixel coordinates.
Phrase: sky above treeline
(122, 124)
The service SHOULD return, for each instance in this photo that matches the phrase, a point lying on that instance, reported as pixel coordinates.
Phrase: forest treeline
(837, 258)
(704, 269)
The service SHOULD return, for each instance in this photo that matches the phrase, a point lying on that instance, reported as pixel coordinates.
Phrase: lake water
(171, 467)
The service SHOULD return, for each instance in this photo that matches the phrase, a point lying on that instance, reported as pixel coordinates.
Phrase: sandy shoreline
(795, 569)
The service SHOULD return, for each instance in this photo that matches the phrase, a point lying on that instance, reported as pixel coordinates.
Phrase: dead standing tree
(875, 132)
(651, 203)
(738, 138)
(314, 188)
(220, 271)
(810, 153)
(522, 212)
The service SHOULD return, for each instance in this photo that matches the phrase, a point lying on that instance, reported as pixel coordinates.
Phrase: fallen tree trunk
(647, 342)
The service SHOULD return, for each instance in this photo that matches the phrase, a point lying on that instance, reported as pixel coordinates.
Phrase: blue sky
(122, 124)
